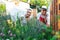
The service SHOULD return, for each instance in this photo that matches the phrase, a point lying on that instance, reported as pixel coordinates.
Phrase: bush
(32, 30)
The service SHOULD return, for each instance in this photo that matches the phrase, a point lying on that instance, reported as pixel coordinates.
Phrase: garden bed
(32, 30)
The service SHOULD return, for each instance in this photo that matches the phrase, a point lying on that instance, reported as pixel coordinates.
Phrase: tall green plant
(32, 30)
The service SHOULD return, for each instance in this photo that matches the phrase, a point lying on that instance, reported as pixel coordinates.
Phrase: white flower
(7, 39)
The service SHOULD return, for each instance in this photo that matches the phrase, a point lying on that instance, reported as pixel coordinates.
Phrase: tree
(38, 2)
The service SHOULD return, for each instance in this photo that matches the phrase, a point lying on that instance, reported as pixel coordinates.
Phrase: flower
(1, 34)
(9, 31)
(9, 22)
(7, 39)
(57, 33)
(11, 34)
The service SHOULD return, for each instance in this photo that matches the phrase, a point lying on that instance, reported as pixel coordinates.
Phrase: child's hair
(44, 9)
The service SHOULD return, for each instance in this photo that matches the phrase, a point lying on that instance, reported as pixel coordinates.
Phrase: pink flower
(11, 34)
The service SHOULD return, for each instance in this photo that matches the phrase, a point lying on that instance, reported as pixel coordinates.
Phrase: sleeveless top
(43, 19)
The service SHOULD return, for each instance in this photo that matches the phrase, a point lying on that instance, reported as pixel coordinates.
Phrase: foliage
(32, 30)
(2, 7)
(24, 0)
(40, 3)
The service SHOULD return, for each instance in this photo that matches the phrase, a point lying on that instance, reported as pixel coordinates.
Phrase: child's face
(28, 14)
(43, 11)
